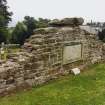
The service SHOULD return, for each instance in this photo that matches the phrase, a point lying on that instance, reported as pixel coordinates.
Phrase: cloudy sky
(88, 9)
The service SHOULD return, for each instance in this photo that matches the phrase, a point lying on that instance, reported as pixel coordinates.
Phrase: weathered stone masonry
(45, 55)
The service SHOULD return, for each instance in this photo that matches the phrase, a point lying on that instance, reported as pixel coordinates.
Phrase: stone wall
(42, 57)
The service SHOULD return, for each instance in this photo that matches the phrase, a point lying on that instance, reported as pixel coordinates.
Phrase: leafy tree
(30, 23)
(25, 29)
(102, 35)
(3, 33)
(42, 23)
(5, 18)
(9, 35)
(19, 33)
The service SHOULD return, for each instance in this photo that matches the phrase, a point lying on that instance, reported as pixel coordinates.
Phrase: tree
(19, 33)
(5, 18)
(42, 23)
(30, 23)
(25, 29)
(9, 35)
(3, 33)
(102, 35)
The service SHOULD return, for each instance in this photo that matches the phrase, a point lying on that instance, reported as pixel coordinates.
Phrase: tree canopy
(19, 33)
(5, 18)
(25, 29)
(102, 35)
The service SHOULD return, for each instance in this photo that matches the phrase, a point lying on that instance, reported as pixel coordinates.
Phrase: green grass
(88, 88)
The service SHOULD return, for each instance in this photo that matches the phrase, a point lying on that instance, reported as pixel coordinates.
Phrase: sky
(88, 9)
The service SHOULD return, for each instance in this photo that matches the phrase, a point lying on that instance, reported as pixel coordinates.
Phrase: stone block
(19, 81)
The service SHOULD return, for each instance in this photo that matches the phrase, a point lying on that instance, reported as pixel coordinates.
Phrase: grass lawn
(88, 88)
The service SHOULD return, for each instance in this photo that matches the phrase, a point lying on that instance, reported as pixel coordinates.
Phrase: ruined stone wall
(42, 56)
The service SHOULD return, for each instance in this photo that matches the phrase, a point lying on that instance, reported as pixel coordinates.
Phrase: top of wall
(67, 22)
(89, 29)
(65, 25)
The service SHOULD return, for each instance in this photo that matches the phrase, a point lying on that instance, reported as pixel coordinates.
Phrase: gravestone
(72, 53)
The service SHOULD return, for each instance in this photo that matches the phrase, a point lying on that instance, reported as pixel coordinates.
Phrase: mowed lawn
(88, 88)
